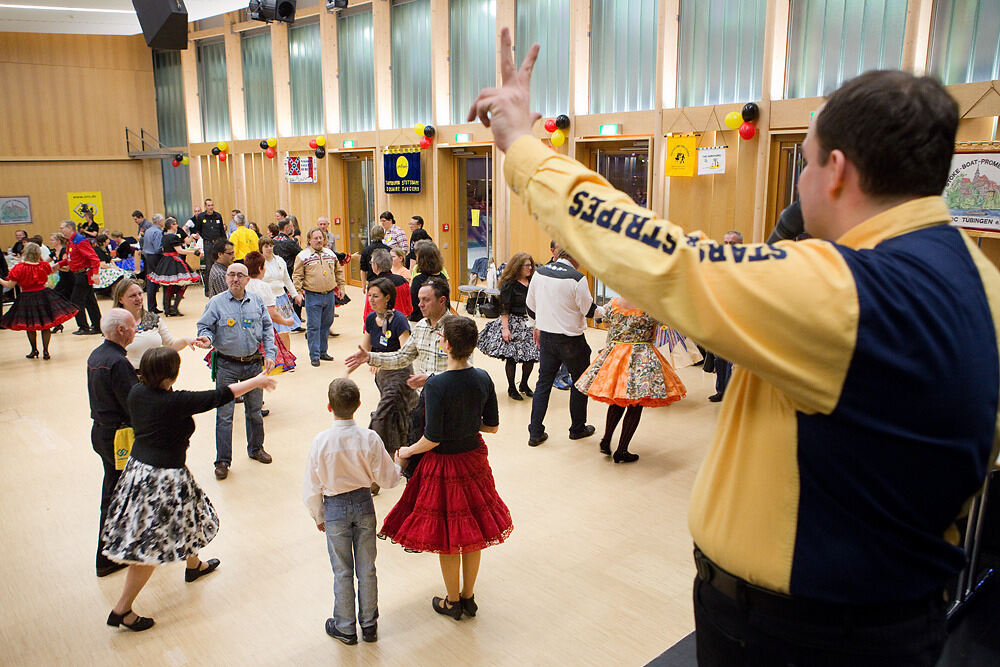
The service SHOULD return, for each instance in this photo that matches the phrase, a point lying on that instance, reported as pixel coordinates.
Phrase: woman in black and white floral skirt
(511, 337)
(158, 513)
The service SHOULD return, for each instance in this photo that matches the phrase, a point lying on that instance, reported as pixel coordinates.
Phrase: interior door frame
(362, 154)
(778, 175)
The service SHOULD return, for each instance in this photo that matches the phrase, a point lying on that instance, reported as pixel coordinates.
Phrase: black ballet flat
(625, 457)
(606, 447)
(526, 391)
(32, 355)
(513, 394)
(469, 605)
(447, 608)
(138, 625)
(192, 573)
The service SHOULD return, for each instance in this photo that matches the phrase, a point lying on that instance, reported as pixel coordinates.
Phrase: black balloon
(215, 150)
(179, 157)
(562, 121)
(263, 144)
(429, 130)
(320, 152)
(751, 112)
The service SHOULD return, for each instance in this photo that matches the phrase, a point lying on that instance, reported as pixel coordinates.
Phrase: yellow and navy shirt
(862, 414)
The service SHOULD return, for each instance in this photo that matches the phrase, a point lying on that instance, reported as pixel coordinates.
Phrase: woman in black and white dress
(511, 337)
(172, 271)
(158, 513)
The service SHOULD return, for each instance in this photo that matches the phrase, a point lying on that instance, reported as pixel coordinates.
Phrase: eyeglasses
(229, 252)
(237, 275)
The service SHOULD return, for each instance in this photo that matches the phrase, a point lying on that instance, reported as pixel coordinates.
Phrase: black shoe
(587, 431)
(105, 570)
(325, 357)
(82, 331)
(333, 335)
(298, 330)
(156, 310)
(193, 573)
(46, 356)
(606, 447)
(95, 331)
(264, 413)
(32, 355)
(715, 398)
(262, 456)
(513, 394)
(534, 442)
(138, 625)
(58, 329)
(370, 635)
(446, 607)
(469, 605)
(625, 457)
(331, 629)
(314, 362)
(526, 391)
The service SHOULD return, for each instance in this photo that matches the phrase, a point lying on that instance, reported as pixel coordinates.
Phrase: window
(411, 62)
(964, 45)
(357, 70)
(546, 22)
(213, 96)
(258, 84)
(473, 46)
(831, 41)
(172, 130)
(623, 55)
(305, 68)
(720, 53)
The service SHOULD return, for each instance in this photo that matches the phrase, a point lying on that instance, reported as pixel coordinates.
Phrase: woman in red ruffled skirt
(37, 308)
(450, 505)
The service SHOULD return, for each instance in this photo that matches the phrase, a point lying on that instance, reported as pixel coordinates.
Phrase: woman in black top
(512, 336)
(172, 271)
(159, 514)
(429, 265)
(377, 235)
(450, 506)
(88, 227)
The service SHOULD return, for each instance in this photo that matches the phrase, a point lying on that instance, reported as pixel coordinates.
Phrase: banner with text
(712, 160)
(402, 172)
(80, 202)
(681, 158)
(972, 191)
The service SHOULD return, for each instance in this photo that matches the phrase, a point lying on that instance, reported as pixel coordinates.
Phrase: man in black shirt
(110, 376)
(208, 226)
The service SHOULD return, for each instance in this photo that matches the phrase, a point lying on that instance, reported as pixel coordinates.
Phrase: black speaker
(164, 23)
(272, 10)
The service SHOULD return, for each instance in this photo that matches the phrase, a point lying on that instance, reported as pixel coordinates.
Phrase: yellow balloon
(185, 160)
(223, 146)
(733, 120)
(272, 142)
(558, 138)
(321, 141)
(419, 129)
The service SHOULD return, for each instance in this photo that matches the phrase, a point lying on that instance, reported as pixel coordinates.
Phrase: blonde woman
(152, 329)
(399, 263)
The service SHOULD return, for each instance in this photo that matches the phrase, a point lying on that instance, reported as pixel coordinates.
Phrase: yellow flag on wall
(80, 201)
(475, 217)
(681, 156)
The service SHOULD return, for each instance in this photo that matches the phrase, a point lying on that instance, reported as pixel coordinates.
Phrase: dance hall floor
(597, 571)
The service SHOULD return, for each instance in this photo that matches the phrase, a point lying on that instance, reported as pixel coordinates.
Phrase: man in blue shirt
(151, 244)
(236, 323)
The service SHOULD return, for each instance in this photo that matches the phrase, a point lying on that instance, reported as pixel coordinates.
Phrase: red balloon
(313, 144)
(175, 163)
(270, 152)
(747, 130)
(425, 142)
(550, 125)
(222, 156)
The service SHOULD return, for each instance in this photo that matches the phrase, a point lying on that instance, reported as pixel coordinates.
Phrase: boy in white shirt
(344, 461)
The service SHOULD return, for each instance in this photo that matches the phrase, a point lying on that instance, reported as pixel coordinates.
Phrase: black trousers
(150, 262)
(732, 633)
(558, 349)
(83, 297)
(103, 440)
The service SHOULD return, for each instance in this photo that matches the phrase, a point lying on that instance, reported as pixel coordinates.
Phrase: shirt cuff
(522, 160)
(375, 359)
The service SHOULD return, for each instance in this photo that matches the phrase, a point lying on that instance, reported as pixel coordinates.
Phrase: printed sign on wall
(712, 160)
(300, 169)
(79, 202)
(402, 171)
(681, 156)
(972, 191)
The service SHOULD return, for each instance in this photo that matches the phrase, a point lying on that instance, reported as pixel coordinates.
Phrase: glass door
(475, 205)
(789, 165)
(360, 178)
(627, 171)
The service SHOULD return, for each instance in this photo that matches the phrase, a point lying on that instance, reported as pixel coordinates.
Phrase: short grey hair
(739, 236)
(240, 219)
(382, 260)
(114, 318)
(378, 233)
(157, 218)
(69, 224)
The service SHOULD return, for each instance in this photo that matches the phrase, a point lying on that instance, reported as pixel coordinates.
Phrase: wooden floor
(597, 571)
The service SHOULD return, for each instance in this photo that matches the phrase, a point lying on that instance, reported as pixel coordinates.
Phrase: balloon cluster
(319, 145)
(557, 126)
(220, 149)
(425, 131)
(268, 145)
(180, 159)
(744, 120)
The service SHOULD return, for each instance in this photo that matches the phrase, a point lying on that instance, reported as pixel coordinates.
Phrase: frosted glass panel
(305, 69)
(546, 22)
(357, 71)
(964, 41)
(213, 95)
(411, 63)
(258, 85)
(473, 52)
(172, 130)
(623, 55)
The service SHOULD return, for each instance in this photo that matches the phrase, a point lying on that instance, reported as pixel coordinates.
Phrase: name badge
(247, 323)
(383, 341)
(230, 322)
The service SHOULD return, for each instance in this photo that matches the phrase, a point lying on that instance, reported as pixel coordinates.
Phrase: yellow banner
(80, 201)
(475, 217)
(681, 157)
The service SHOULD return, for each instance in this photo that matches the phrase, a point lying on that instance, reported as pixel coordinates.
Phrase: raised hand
(357, 359)
(507, 109)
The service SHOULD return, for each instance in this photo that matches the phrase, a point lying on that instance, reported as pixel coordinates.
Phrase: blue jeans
(350, 539)
(319, 318)
(556, 350)
(226, 374)
(723, 371)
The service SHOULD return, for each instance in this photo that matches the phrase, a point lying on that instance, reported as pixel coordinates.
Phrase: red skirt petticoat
(37, 311)
(449, 506)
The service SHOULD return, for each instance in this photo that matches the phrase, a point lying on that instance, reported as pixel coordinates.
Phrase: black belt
(255, 357)
(779, 604)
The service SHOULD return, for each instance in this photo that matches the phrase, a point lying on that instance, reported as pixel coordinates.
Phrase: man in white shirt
(559, 302)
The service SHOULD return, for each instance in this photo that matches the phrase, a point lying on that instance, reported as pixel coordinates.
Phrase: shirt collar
(232, 297)
(901, 219)
(343, 423)
(78, 237)
(563, 260)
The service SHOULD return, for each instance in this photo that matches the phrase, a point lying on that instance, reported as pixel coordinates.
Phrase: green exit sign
(348, 143)
(610, 129)
(463, 137)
